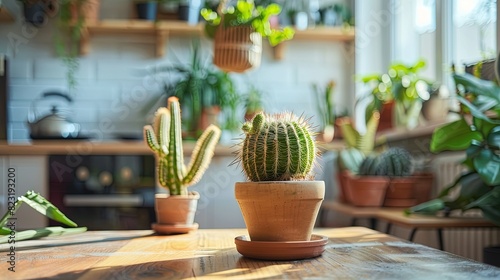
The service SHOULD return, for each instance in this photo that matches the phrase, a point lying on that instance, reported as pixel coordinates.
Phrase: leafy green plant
(253, 102)
(355, 139)
(165, 140)
(324, 103)
(201, 85)
(401, 84)
(477, 132)
(277, 147)
(42, 205)
(247, 13)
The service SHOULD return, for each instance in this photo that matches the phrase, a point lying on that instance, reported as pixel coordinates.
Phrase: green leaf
(43, 206)
(490, 199)
(478, 86)
(430, 207)
(493, 138)
(487, 165)
(476, 112)
(42, 232)
(455, 136)
(491, 213)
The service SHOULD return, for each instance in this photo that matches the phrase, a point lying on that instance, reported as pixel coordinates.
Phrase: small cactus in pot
(277, 156)
(164, 138)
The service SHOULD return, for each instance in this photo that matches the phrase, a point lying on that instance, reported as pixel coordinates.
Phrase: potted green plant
(358, 146)
(477, 133)
(253, 103)
(326, 110)
(280, 201)
(237, 32)
(175, 211)
(203, 91)
(398, 94)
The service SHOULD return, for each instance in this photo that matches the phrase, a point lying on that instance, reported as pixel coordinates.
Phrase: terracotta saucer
(174, 229)
(288, 250)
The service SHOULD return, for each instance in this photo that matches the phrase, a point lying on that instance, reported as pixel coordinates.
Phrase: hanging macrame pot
(236, 48)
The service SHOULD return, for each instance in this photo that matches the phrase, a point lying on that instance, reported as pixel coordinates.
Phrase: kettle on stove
(54, 125)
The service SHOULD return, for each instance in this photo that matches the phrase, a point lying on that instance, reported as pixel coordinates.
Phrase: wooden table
(352, 253)
(415, 222)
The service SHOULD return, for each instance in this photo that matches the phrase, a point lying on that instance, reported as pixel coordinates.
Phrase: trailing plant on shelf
(477, 133)
(277, 156)
(165, 140)
(246, 13)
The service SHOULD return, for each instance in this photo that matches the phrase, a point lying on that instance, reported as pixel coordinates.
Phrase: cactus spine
(164, 138)
(277, 147)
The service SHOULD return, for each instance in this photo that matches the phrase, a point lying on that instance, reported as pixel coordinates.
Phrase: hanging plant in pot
(237, 32)
(175, 211)
(280, 202)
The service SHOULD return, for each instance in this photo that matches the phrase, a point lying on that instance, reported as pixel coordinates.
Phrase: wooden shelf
(5, 15)
(162, 29)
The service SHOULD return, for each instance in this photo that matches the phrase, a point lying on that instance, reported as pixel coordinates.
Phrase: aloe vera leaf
(9, 213)
(43, 232)
(44, 206)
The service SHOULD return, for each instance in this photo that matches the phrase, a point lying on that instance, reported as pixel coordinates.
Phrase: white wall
(112, 88)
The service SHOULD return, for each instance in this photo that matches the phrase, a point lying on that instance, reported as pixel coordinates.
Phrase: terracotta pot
(367, 190)
(400, 193)
(344, 194)
(423, 186)
(386, 116)
(176, 210)
(90, 11)
(280, 210)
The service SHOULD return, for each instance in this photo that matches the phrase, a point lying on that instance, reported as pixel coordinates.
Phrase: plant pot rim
(191, 195)
(280, 182)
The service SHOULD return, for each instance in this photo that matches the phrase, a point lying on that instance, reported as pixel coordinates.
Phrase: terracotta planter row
(378, 191)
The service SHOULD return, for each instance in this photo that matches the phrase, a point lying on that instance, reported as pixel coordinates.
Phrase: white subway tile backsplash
(46, 68)
(21, 69)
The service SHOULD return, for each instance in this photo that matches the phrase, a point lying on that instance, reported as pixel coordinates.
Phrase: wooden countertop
(85, 147)
(135, 147)
(352, 253)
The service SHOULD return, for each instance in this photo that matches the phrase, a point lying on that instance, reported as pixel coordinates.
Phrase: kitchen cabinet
(30, 173)
(161, 30)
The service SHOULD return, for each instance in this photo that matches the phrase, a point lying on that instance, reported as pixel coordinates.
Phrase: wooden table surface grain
(352, 253)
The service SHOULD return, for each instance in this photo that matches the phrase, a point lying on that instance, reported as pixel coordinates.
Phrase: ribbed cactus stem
(164, 138)
(277, 148)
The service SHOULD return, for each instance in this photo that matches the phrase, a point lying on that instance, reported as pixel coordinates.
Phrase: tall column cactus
(278, 148)
(164, 138)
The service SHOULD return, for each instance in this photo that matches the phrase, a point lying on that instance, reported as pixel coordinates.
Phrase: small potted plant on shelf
(175, 211)
(280, 201)
(398, 94)
(253, 103)
(326, 110)
(238, 33)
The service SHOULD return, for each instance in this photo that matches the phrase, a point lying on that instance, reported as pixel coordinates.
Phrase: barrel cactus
(394, 162)
(279, 147)
(164, 138)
